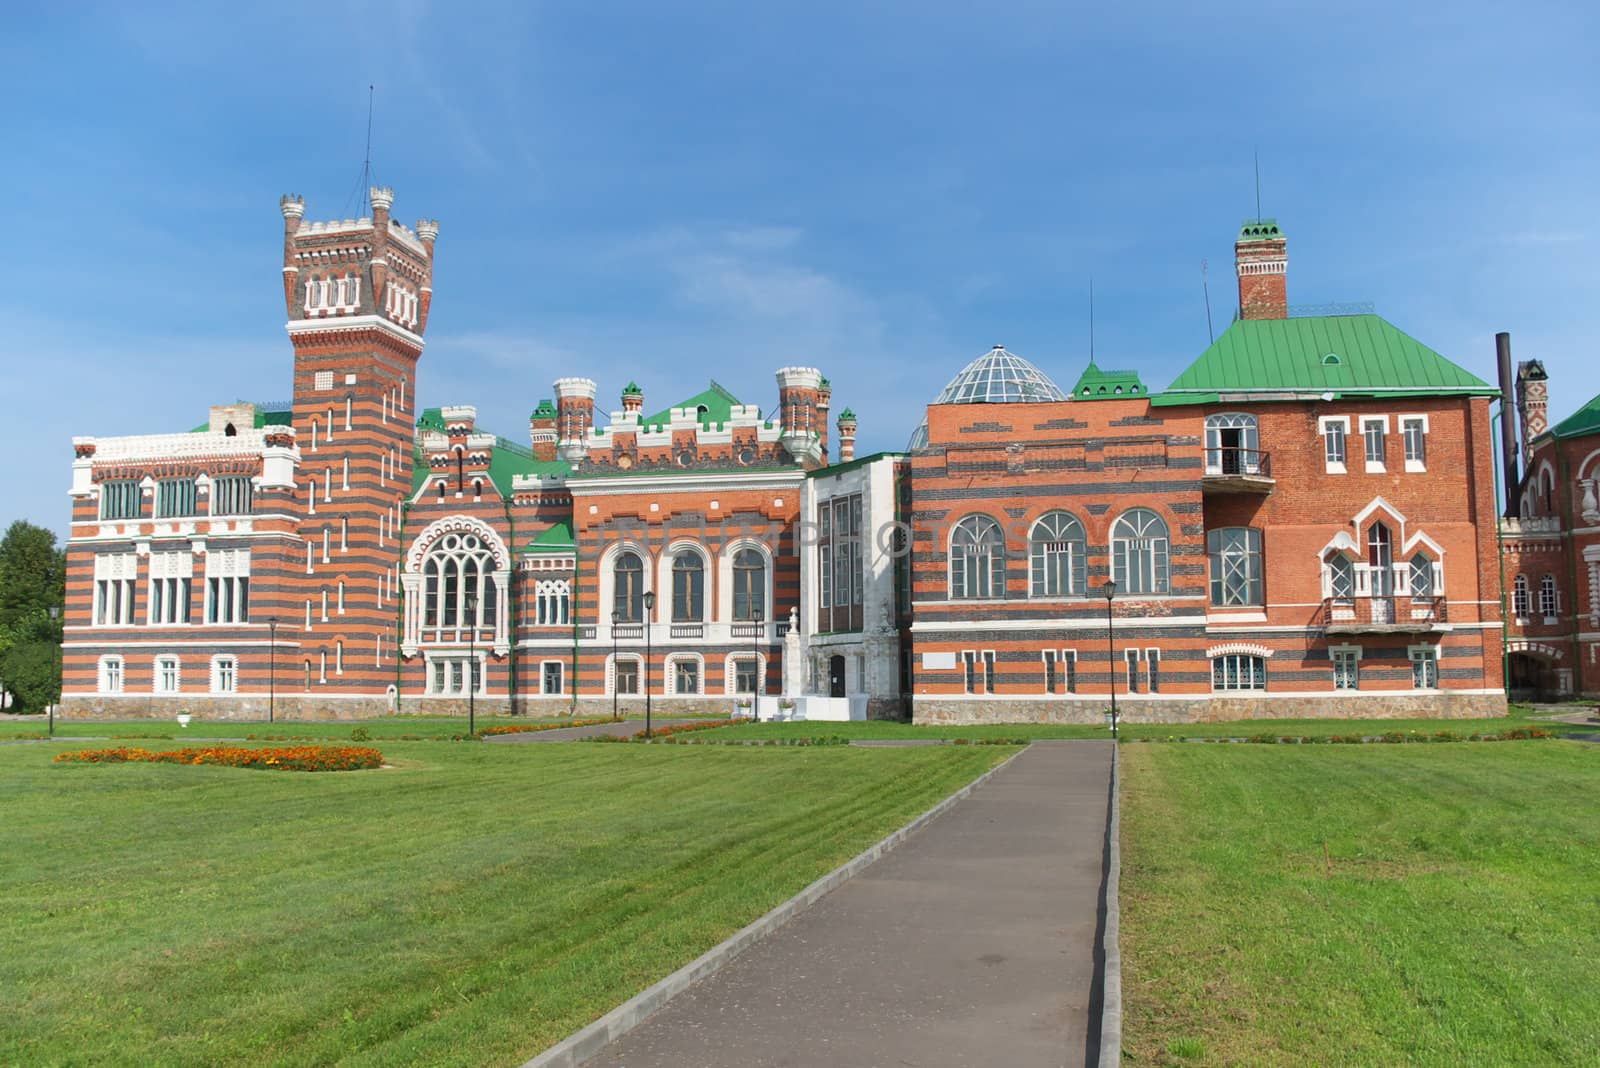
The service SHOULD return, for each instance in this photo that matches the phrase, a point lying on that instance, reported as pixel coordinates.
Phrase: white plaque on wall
(938, 661)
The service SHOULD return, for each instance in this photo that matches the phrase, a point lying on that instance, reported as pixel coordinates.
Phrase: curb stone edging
(1111, 946)
(583, 1044)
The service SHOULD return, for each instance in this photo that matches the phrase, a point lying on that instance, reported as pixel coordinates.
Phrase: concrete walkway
(971, 944)
(622, 729)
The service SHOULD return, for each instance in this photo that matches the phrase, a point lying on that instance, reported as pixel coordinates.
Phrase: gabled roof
(556, 538)
(1347, 355)
(717, 402)
(1585, 420)
(1095, 384)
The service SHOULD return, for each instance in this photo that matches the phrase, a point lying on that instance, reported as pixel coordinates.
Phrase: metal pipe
(1508, 431)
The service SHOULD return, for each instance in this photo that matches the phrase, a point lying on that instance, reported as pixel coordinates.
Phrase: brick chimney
(542, 430)
(1261, 256)
(1533, 401)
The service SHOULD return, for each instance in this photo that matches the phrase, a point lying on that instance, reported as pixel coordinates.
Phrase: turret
(632, 398)
(542, 430)
(1261, 257)
(824, 401)
(847, 436)
(798, 389)
(574, 417)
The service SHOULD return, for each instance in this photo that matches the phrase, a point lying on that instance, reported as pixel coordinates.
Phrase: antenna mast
(1091, 319)
(366, 162)
(1257, 154)
(1205, 287)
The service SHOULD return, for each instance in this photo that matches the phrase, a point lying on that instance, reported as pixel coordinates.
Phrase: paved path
(622, 729)
(971, 944)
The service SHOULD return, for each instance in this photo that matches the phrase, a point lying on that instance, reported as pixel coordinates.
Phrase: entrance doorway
(836, 676)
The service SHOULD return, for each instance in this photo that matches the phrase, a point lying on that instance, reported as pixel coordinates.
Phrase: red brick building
(1302, 523)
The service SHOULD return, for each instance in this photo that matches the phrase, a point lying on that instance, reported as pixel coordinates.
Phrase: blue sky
(677, 192)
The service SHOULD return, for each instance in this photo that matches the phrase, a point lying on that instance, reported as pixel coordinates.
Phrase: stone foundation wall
(244, 709)
(933, 710)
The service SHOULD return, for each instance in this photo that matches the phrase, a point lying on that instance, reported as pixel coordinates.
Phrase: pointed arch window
(1341, 576)
(627, 575)
(1380, 560)
(688, 586)
(1549, 599)
(1139, 553)
(977, 559)
(1422, 584)
(1521, 602)
(1056, 556)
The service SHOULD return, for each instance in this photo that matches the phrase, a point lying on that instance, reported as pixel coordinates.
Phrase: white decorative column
(411, 583)
(502, 611)
(794, 668)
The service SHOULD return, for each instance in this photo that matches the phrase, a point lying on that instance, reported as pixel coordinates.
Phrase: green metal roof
(508, 461)
(1355, 355)
(284, 417)
(431, 419)
(847, 414)
(851, 465)
(632, 389)
(546, 410)
(1095, 384)
(556, 538)
(717, 402)
(1260, 230)
(1585, 420)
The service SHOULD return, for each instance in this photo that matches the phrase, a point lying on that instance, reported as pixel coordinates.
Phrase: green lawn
(386, 727)
(470, 906)
(1453, 920)
(879, 729)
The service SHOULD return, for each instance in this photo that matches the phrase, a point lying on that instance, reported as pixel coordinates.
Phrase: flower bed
(525, 728)
(297, 758)
(665, 734)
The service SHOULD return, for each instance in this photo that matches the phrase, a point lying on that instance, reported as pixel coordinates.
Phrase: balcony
(688, 630)
(1236, 470)
(1384, 615)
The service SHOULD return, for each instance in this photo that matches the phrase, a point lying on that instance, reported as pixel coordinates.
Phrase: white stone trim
(1238, 649)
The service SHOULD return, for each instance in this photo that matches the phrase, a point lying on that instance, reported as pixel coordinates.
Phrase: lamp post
(272, 664)
(1111, 660)
(50, 709)
(755, 666)
(614, 653)
(472, 663)
(649, 611)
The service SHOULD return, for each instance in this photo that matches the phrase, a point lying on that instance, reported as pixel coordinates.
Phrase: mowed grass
(1454, 918)
(201, 729)
(470, 906)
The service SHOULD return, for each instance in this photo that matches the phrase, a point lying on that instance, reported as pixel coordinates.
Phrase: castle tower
(574, 417)
(847, 436)
(632, 399)
(542, 430)
(357, 293)
(824, 402)
(1533, 401)
(798, 392)
(1261, 257)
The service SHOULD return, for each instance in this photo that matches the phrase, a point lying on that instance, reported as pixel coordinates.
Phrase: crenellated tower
(357, 293)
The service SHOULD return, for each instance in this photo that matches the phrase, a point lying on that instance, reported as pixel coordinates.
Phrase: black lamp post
(1111, 648)
(614, 662)
(272, 664)
(649, 611)
(755, 667)
(472, 663)
(50, 709)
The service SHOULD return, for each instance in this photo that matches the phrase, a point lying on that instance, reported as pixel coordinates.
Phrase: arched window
(1521, 602)
(1232, 447)
(461, 470)
(1139, 551)
(1236, 570)
(1238, 671)
(552, 603)
(1056, 554)
(977, 559)
(458, 586)
(1549, 603)
(1421, 576)
(1341, 576)
(688, 586)
(1380, 560)
(749, 585)
(627, 576)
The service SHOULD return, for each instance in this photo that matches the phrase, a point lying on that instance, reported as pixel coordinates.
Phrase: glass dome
(996, 377)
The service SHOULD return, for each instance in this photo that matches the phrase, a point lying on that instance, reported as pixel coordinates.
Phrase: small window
(686, 676)
(627, 676)
(989, 671)
(1334, 450)
(1236, 571)
(746, 674)
(1414, 429)
(166, 675)
(1425, 668)
(1373, 433)
(176, 497)
(111, 668)
(1069, 665)
(1152, 668)
(969, 664)
(1238, 671)
(1549, 599)
(1422, 584)
(1051, 672)
(323, 380)
(550, 681)
(1346, 669)
(1131, 658)
(121, 499)
(225, 675)
(231, 495)
(1521, 598)
(1331, 360)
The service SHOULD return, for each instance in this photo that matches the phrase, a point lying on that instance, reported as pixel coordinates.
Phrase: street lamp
(272, 664)
(614, 653)
(55, 614)
(472, 662)
(649, 611)
(1111, 658)
(755, 667)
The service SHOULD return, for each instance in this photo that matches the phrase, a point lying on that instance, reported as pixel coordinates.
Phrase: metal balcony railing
(1392, 613)
(1228, 462)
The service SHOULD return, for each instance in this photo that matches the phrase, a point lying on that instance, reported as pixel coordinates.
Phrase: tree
(32, 581)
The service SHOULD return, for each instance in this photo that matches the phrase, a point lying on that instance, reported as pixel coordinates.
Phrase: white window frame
(698, 661)
(989, 660)
(1335, 467)
(1375, 467)
(730, 673)
(1152, 670)
(225, 674)
(1052, 669)
(1239, 673)
(1421, 464)
(158, 672)
(1352, 653)
(111, 675)
(1521, 598)
(1068, 665)
(611, 673)
(1549, 598)
(1420, 653)
(969, 671)
(561, 682)
(431, 688)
